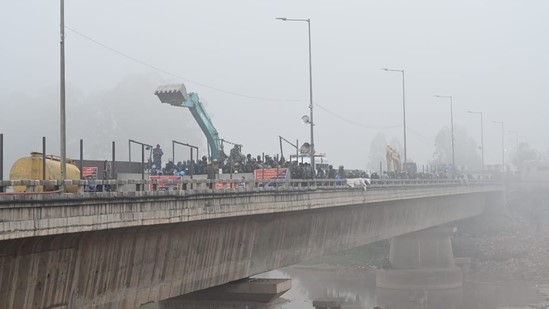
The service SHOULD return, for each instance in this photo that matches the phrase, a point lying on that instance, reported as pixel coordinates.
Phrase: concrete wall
(129, 266)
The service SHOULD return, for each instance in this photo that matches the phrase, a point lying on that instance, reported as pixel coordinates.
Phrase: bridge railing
(14, 187)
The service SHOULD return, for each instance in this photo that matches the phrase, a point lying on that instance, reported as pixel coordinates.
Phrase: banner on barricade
(161, 182)
(89, 172)
(271, 173)
(224, 185)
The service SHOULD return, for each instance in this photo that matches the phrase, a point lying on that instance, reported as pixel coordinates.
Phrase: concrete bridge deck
(30, 215)
(120, 249)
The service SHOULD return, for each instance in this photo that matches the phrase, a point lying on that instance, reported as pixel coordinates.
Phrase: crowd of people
(237, 163)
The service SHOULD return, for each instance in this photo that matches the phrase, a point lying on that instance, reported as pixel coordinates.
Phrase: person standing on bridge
(157, 157)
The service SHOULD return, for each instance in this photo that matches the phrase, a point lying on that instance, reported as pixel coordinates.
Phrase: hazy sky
(491, 56)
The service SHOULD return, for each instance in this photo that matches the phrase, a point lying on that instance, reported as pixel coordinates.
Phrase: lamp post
(403, 109)
(63, 142)
(311, 122)
(452, 129)
(502, 145)
(481, 136)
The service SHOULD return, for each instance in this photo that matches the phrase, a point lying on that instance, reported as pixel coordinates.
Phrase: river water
(356, 287)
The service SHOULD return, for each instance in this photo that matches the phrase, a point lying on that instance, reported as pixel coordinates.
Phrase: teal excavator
(177, 95)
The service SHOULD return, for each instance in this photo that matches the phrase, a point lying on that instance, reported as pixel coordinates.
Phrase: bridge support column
(249, 293)
(421, 260)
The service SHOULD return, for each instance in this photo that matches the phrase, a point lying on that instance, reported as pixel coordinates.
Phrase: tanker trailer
(30, 168)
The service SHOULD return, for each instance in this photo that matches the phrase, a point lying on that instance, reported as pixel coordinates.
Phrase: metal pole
(113, 160)
(311, 102)
(453, 148)
(62, 94)
(173, 152)
(452, 130)
(1, 156)
(280, 141)
(192, 163)
(1, 161)
(230, 167)
(404, 119)
(297, 151)
(81, 158)
(43, 158)
(482, 141)
(129, 150)
(142, 162)
(312, 149)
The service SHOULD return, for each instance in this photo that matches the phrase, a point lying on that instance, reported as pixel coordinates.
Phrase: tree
(467, 156)
(129, 110)
(524, 153)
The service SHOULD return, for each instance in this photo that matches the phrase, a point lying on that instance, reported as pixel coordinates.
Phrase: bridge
(124, 249)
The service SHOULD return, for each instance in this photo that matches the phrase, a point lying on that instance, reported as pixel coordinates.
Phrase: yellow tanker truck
(30, 168)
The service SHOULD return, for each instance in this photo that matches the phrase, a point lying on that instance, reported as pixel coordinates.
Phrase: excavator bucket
(172, 94)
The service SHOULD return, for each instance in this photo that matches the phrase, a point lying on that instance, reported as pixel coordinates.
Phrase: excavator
(176, 95)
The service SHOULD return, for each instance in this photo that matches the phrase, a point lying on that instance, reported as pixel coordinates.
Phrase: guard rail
(228, 185)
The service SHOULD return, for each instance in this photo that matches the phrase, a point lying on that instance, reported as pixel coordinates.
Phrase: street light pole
(311, 123)
(403, 110)
(62, 95)
(481, 137)
(452, 129)
(502, 145)
(516, 138)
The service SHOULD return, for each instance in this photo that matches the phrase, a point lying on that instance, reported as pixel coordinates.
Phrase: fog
(252, 73)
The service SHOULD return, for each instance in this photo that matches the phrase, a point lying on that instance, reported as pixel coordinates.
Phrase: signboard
(224, 185)
(271, 173)
(89, 172)
(161, 181)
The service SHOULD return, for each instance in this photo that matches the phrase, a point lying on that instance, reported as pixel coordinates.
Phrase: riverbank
(515, 242)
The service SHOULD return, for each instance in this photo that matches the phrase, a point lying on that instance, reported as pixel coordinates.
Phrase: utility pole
(452, 130)
(63, 141)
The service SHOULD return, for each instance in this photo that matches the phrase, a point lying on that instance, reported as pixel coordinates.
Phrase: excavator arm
(177, 95)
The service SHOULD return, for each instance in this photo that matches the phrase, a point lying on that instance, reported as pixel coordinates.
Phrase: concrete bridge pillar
(421, 260)
(249, 293)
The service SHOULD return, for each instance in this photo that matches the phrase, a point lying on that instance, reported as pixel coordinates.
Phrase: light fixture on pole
(403, 110)
(452, 129)
(311, 122)
(481, 136)
(502, 145)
